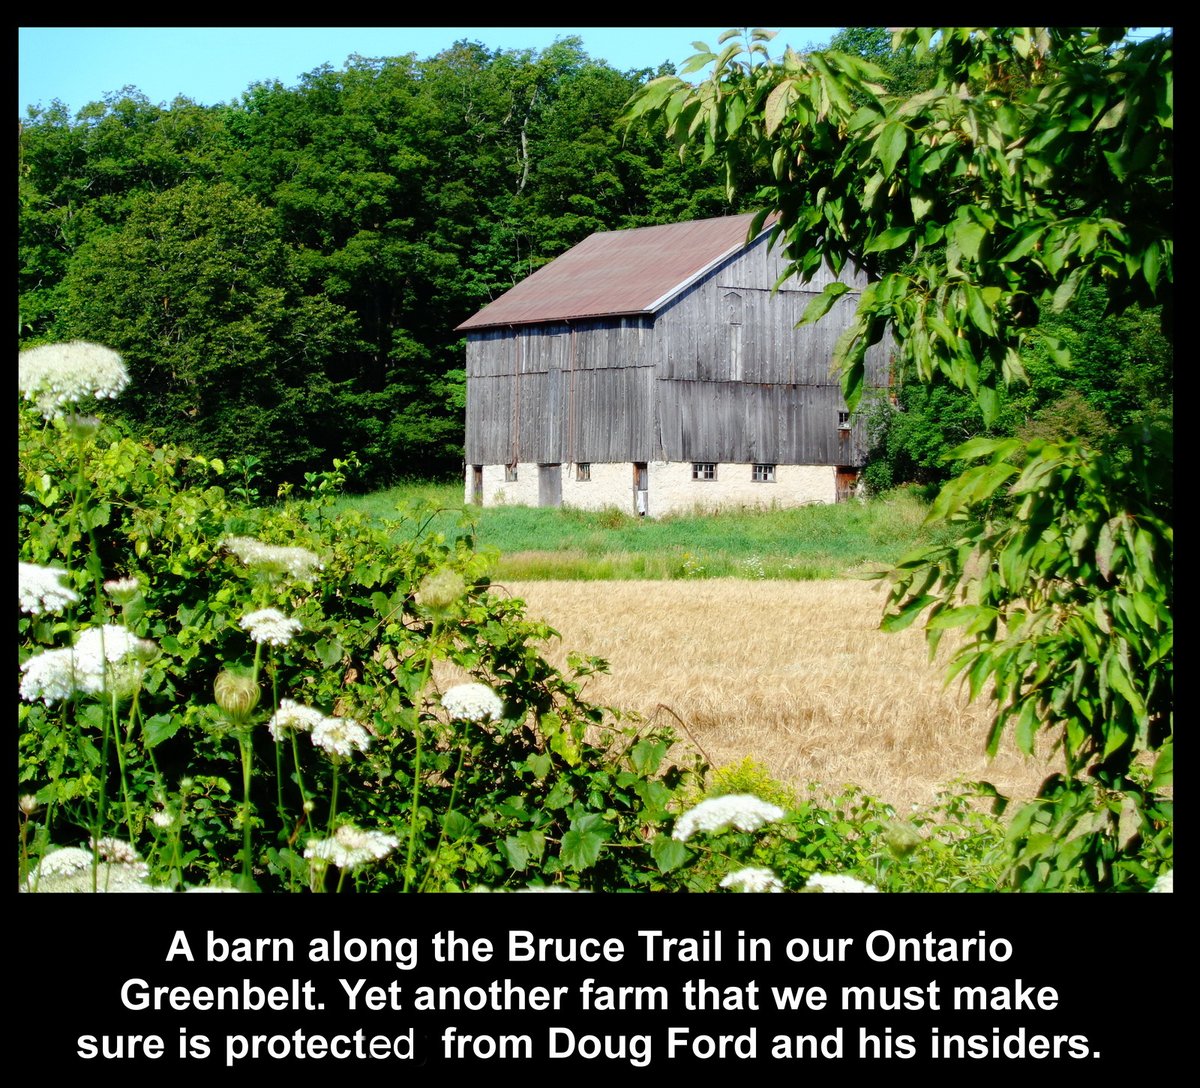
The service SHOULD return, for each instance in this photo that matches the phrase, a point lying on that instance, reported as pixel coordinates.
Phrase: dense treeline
(283, 275)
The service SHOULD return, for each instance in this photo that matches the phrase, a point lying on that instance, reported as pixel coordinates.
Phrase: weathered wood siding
(561, 393)
(721, 374)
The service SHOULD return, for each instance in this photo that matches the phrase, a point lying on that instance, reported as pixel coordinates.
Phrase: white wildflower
(293, 715)
(753, 880)
(57, 674)
(163, 819)
(56, 375)
(297, 562)
(69, 859)
(121, 590)
(110, 643)
(340, 736)
(40, 589)
(473, 703)
(54, 675)
(1165, 882)
(350, 847)
(822, 882)
(116, 851)
(743, 811)
(271, 626)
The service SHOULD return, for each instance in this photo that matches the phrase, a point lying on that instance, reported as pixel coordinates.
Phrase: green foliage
(285, 274)
(1033, 174)
(1064, 603)
(555, 791)
(947, 846)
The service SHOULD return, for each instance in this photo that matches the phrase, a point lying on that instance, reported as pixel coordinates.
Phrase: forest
(283, 275)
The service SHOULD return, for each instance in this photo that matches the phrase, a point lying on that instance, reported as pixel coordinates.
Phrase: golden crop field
(793, 674)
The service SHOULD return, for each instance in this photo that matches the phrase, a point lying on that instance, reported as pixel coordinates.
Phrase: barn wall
(673, 491)
(561, 392)
(738, 382)
(611, 485)
(722, 374)
(498, 491)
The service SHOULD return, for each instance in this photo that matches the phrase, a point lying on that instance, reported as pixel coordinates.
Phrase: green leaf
(819, 306)
(1066, 290)
(668, 853)
(160, 727)
(892, 238)
(1164, 767)
(890, 145)
(898, 621)
(581, 849)
(515, 852)
(779, 101)
(969, 236)
(646, 756)
(921, 205)
(1027, 237)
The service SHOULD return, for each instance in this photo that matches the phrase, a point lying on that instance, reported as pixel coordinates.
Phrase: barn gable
(656, 369)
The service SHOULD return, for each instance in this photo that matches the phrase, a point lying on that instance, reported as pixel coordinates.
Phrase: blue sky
(79, 65)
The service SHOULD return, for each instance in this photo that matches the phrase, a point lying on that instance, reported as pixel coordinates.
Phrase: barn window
(510, 474)
(764, 474)
(704, 470)
(843, 421)
(583, 470)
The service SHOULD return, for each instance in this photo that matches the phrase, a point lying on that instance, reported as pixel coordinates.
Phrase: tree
(1039, 161)
(200, 297)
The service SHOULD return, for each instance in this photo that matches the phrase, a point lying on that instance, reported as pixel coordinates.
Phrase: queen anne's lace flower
(743, 811)
(111, 643)
(57, 674)
(473, 703)
(121, 590)
(822, 882)
(1165, 882)
(271, 626)
(116, 851)
(56, 375)
(297, 562)
(292, 715)
(753, 880)
(54, 675)
(340, 736)
(67, 860)
(350, 847)
(40, 589)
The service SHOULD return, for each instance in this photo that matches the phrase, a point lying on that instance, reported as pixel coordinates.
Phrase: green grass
(807, 542)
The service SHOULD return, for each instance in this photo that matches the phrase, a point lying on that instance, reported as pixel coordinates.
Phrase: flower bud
(902, 839)
(440, 591)
(236, 693)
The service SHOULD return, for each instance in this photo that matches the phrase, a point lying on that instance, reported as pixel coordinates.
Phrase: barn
(657, 371)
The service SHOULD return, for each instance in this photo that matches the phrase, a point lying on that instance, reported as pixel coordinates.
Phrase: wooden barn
(655, 370)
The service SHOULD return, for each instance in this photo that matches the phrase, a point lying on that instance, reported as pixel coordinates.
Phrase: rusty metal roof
(617, 272)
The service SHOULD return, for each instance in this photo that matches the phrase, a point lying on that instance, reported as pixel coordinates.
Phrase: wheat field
(795, 675)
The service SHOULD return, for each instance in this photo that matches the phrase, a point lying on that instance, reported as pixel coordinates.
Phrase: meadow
(796, 676)
(755, 634)
(799, 544)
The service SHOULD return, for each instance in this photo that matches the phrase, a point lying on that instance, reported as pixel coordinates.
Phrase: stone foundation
(672, 490)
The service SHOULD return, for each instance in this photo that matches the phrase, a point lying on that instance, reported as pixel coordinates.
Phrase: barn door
(549, 485)
(641, 488)
(846, 484)
(477, 484)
